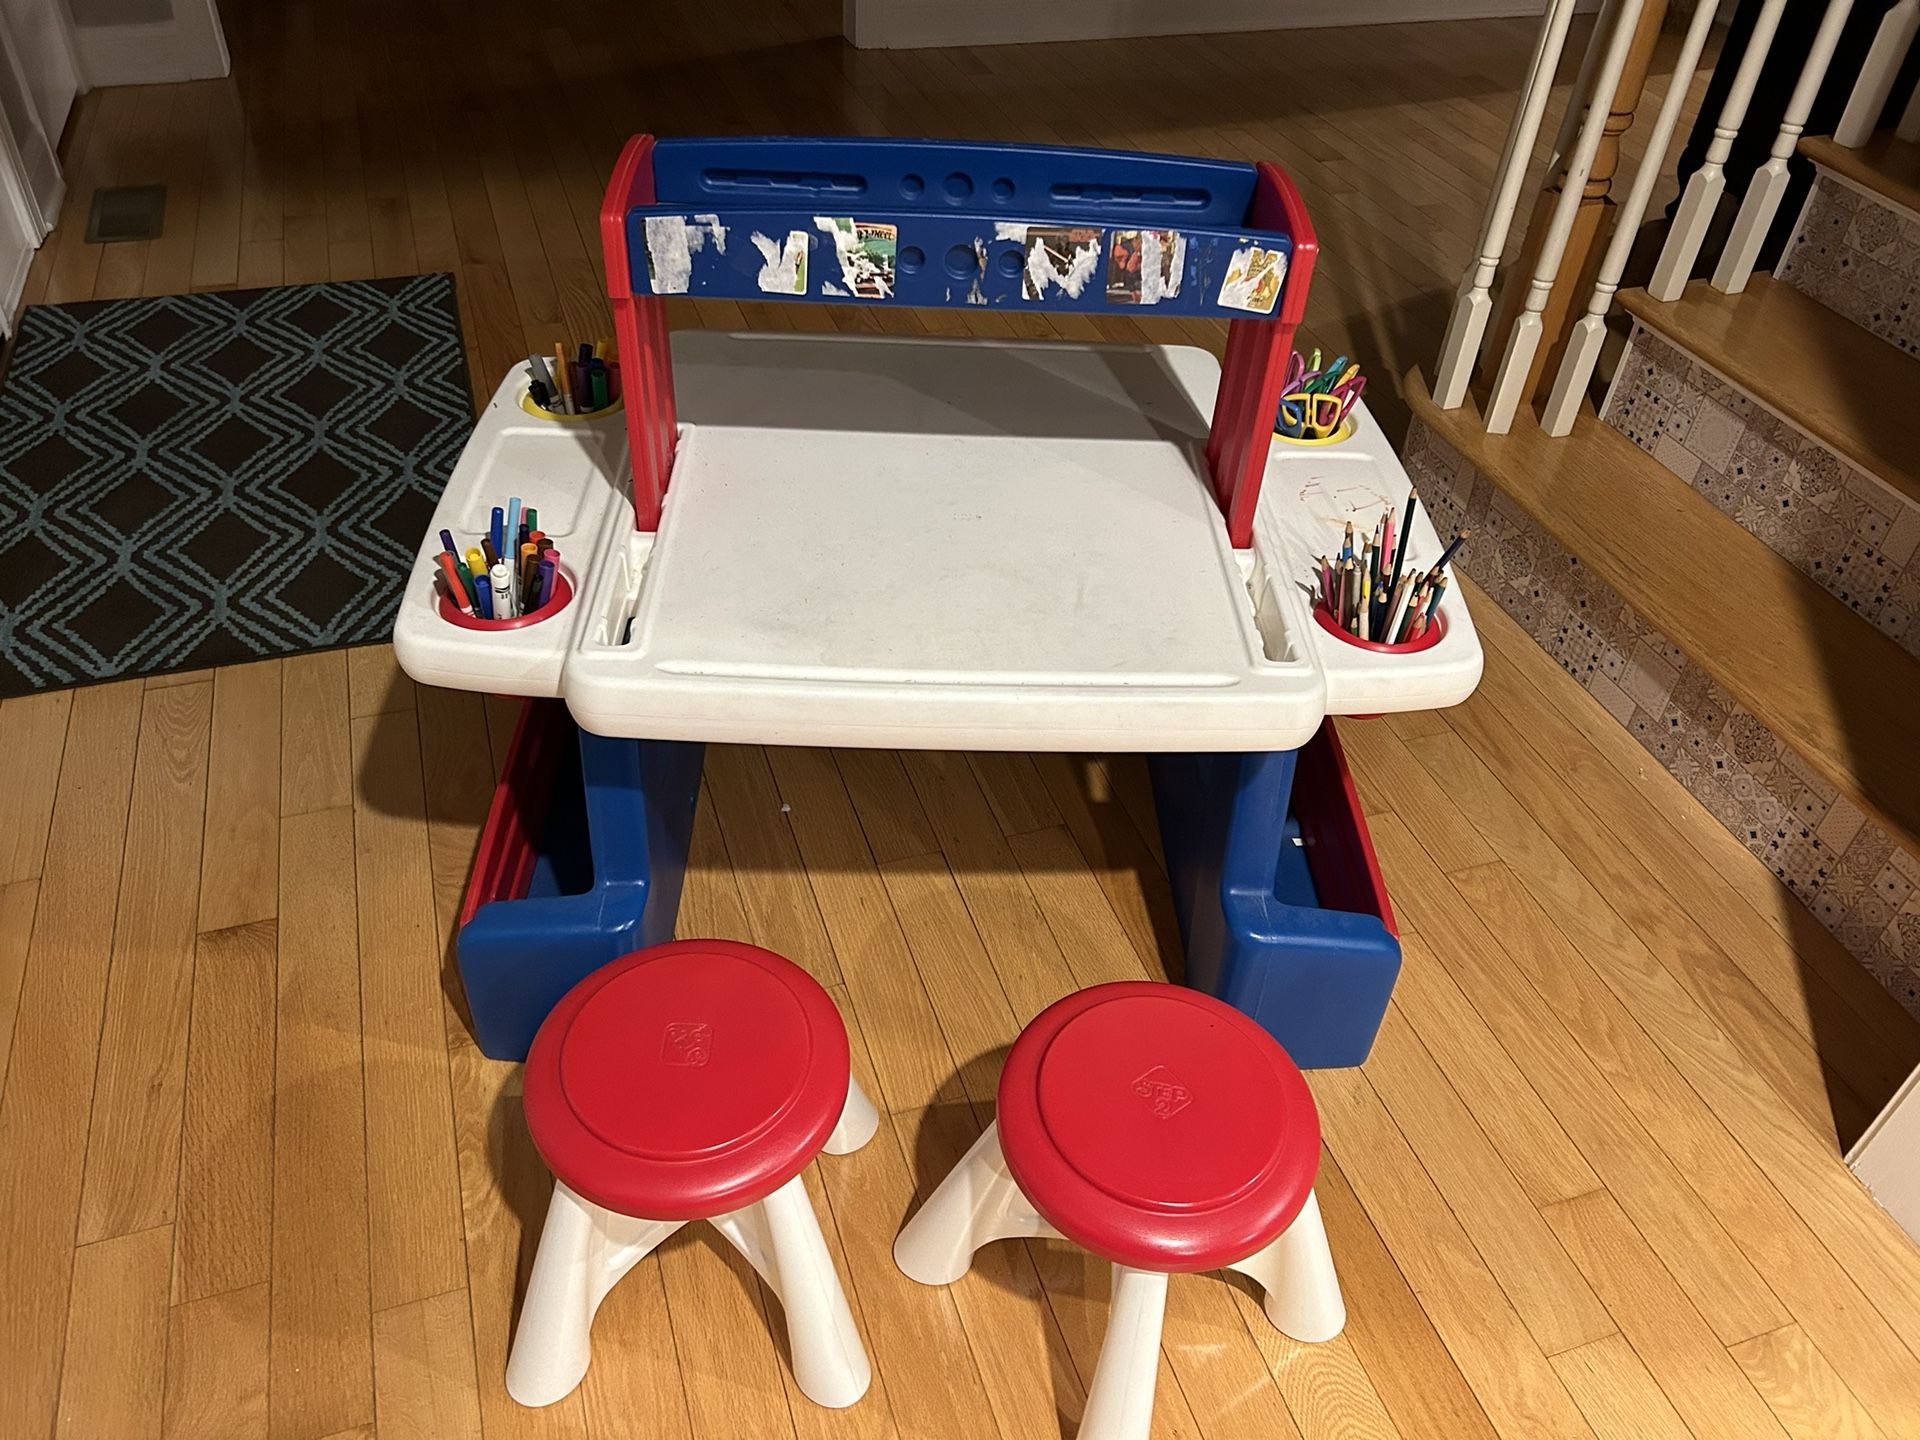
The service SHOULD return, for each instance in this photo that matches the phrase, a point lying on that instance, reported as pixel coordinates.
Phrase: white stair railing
(1769, 183)
(1707, 184)
(1869, 98)
(1583, 346)
(1524, 342)
(1473, 304)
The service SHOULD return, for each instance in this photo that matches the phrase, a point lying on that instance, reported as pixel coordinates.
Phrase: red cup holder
(1434, 630)
(562, 594)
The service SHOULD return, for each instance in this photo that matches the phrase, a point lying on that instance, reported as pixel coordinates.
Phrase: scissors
(1319, 415)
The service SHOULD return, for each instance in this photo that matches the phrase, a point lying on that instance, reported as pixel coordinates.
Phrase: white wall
(910, 24)
(148, 42)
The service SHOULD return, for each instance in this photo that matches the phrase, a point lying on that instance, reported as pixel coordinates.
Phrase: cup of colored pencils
(509, 578)
(575, 382)
(1372, 595)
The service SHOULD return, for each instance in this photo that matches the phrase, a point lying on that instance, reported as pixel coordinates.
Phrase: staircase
(1727, 557)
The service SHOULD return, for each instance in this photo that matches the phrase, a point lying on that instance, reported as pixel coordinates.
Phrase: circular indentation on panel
(1003, 189)
(912, 257)
(961, 262)
(957, 186)
(1009, 262)
(911, 186)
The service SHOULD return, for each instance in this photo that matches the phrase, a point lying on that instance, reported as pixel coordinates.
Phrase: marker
(446, 543)
(498, 529)
(565, 379)
(532, 517)
(601, 395)
(489, 552)
(467, 580)
(483, 597)
(547, 568)
(506, 544)
(502, 591)
(455, 591)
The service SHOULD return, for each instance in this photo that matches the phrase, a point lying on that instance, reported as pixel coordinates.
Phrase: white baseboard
(12, 287)
(913, 24)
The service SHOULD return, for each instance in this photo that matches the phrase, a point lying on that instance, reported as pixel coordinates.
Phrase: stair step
(1834, 689)
(1886, 165)
(1848, 389)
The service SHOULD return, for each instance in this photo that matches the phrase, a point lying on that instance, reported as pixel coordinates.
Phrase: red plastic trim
(1346, 872)
(640, 324)
(1157, 1126)
(503, 863)
(687, 1080)
(562, 593)
(1427, 641)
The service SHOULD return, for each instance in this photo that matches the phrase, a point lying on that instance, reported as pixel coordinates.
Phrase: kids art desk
(805, 539)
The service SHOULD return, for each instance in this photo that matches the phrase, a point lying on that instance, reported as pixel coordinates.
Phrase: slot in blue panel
(1037, 182)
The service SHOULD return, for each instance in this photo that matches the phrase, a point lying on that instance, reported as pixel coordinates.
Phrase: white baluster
(1769, 182)
(1583, 346)
(1897, 29)
(1528, 326)
(1473, 305)
(1909, 128)
(1709, 182)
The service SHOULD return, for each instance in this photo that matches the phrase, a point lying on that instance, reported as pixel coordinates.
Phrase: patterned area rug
(205, 479)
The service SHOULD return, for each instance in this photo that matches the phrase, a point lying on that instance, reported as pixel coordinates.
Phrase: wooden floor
(255, 1179)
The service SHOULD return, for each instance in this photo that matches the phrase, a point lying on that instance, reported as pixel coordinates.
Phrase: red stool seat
(1157, 1126)
(687, 1080)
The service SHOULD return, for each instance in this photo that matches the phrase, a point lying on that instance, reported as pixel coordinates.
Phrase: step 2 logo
(689, 1042)
(1163, 1092)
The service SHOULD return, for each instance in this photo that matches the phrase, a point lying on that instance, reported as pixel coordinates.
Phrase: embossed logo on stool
(1163, 1092)
(689, 1042)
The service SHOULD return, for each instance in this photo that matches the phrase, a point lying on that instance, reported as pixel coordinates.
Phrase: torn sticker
(785, 270)
(1058, 255)
(865, 250)
(977, 292)
(1144, 266)
(672, 242)
(1253, 279)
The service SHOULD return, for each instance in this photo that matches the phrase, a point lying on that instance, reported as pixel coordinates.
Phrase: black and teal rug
(208, 479)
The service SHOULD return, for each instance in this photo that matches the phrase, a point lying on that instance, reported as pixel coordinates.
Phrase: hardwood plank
(424, 1387)
(33, 736)
(1383, 762)
(240, 854)
(717, 1308)
(375, 682)
(1014, 790)
(1616, 1394)
(883, 797)
(224, 1225)
(965, 991)
(1886, 164)
(1032, 972)
(766, 862)
(1084, 926)
(217, 1367)
(413, 1188)
(139, 1088)
(1794, 1378)
(116, 1353)
(1487, 1339)
(322, 1363)
(914, 1065)
(17, 904)
(216, 241)
(1666, 1332)
(316, 768)
(1542, 1283)
(49, 1089)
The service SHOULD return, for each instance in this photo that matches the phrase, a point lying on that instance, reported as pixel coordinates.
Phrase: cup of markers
(1374, 598)
(576, 382)
(1316, 401)
(509, 579)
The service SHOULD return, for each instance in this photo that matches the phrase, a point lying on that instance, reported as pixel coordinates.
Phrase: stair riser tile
(1846, 869)
(1855, 537)
(1859, 256)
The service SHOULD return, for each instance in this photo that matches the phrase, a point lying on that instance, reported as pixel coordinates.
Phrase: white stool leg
(858, 1120)
(780, 1236)
(584, 1251)
(1296, 1272)
(1120, 1400)
(979, 1201)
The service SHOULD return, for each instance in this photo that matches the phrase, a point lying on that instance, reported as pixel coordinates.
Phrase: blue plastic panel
(922, 223)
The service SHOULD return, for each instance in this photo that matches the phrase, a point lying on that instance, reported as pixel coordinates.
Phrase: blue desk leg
(1252, 843)
(606, 880)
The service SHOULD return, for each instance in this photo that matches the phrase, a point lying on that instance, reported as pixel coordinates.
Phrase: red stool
(690, 1081)
(1165, 1132)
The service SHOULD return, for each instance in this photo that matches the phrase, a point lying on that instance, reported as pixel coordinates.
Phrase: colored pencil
(1447, 554)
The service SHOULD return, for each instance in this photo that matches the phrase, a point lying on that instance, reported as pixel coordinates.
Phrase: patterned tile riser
(1852, 535)
(1860, 257)
(1848, 871)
